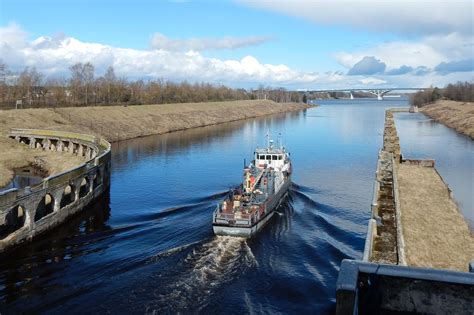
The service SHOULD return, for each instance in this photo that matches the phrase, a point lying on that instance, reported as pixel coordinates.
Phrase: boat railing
(237, 219)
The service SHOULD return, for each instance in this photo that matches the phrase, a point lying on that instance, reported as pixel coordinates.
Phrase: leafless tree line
(30, 88)
(460, 91)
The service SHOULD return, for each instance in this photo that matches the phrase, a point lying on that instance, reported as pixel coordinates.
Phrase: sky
(299, 44)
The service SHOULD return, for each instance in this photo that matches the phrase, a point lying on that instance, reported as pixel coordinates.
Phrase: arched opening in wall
(97, 179)
(39, 143)
(74, 148)
(84, 188)
(14, 220)
(45, 207)
(68, 196)
(25, 140)
(54, 144)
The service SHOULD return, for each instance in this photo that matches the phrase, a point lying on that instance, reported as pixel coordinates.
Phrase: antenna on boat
(280, 141)
(268, 138)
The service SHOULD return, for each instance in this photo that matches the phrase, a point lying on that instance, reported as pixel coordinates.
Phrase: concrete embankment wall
(26, 213)
(369, 288)
(382, 238)
(414, 213)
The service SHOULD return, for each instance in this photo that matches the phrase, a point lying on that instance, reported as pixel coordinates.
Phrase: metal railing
(234, 219)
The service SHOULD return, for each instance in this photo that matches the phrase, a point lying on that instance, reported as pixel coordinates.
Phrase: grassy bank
(456, 115)
(119, 123)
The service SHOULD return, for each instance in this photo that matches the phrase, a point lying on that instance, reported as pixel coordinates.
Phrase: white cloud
(372, 81)
(402, 16)
(54, 56)
(13, 35)
(428, 52)
(367, 66)
(160, 41)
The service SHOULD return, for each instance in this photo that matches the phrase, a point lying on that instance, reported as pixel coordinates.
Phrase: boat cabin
(275, 159)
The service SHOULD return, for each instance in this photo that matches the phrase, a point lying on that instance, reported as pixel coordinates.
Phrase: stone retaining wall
(382, 238)
(385, 241)
(382, 283)
(26, 213)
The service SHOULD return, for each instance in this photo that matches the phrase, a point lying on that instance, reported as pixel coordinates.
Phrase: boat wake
(206, 268)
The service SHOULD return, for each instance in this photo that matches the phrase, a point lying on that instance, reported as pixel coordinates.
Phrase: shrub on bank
(461, 91)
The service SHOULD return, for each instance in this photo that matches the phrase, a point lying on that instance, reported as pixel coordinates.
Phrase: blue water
(149, 248)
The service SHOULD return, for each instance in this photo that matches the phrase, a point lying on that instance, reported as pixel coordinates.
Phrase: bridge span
(379, 92)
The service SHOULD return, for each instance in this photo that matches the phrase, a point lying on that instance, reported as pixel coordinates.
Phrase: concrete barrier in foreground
(26, 213)
(369, 288)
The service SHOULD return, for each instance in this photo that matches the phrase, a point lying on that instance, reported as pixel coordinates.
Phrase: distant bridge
(377, 92)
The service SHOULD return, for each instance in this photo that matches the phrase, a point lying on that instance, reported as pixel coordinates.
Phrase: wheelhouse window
(269, 157)
(274, 157)
(280, 157)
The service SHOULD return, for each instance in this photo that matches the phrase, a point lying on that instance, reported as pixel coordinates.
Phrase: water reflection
(182, 142)
(35, 264)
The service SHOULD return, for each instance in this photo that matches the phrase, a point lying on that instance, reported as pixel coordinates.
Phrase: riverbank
(456, 115)
(117, 123)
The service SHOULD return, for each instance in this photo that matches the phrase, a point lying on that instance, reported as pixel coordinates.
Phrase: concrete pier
(415, 223)
(26, 213)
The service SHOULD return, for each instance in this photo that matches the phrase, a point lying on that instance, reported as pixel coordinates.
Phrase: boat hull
(249, 231)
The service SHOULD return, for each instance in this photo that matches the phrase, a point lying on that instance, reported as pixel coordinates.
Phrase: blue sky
(297, 44)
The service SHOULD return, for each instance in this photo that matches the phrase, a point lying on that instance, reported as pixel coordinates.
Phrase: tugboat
(249, 207)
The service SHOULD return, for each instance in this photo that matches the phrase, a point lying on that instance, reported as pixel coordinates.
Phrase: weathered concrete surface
(26, 213)
(367, 288)
(382, 240)
(435, 232)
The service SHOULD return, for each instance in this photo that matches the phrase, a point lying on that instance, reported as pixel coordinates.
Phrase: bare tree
(57, 91)
(4, 87)
(29, 85)
(109, 79)
(77, 81)
(82, 88)
(88, 70)
(82, 78)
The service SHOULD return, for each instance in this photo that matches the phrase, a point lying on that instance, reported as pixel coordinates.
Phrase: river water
(148, 247)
